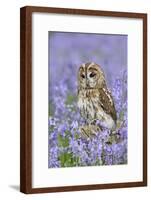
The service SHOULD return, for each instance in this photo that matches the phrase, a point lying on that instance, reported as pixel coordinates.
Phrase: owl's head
(90, 75)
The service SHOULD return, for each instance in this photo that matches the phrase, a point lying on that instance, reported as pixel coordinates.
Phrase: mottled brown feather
(107, 103)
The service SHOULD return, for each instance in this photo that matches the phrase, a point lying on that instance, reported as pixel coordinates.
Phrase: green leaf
(63, 141)
(68, 133)
(121, 115)
(77, 136)
(98, 161)
(70, 99)
(66, 159)
(51, 129)
(51, 109)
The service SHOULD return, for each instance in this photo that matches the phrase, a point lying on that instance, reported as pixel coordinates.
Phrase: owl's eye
(82, 75)
(92, 74)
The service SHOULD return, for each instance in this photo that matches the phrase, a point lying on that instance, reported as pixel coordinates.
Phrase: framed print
(83, 93)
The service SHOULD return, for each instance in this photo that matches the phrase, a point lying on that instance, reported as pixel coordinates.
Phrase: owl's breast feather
(90, 107)
(88, 103)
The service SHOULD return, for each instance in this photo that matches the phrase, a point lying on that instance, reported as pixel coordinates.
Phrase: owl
(95, 101)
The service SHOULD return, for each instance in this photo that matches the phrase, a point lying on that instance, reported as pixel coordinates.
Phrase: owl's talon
(93, 122)
(89, 131)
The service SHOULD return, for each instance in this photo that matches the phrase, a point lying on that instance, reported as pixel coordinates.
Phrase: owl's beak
(87, 84)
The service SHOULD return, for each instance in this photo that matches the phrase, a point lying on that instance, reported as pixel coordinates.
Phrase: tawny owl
(94, 99)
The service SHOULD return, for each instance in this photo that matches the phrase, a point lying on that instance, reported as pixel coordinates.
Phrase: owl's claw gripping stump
(93, 122)
(89, 131)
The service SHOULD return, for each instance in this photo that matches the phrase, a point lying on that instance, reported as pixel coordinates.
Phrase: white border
(42, 176)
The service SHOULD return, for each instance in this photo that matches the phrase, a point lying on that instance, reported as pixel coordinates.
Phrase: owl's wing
(107, 103)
